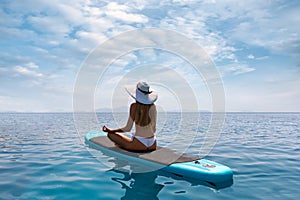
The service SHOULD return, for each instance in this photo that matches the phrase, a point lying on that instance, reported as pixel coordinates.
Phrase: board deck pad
(161, 155)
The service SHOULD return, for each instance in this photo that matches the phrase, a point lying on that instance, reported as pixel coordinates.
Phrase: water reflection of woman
(141, 185)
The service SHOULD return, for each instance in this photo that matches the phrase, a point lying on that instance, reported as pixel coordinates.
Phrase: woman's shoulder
(133, 105)
(153, 106)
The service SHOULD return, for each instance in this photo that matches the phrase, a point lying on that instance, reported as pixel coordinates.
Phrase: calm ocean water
(43, 157)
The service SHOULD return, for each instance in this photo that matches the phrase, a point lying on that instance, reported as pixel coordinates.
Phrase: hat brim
(141, 97)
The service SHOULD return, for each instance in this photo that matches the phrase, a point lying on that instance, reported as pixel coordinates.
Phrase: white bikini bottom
(148, 142)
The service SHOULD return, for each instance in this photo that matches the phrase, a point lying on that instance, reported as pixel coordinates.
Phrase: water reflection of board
(183, 165)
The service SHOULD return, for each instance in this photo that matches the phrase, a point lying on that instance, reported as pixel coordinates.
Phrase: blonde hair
(142, 114)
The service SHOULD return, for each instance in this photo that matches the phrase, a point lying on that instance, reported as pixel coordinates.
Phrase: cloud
(235, 69)
(267, 25)
(250, 56)
(27, 72)
(48, 24)
(78, 27)
(122, 12)
(48, 40)
(32, 65)
(193, 24)
(16, 35)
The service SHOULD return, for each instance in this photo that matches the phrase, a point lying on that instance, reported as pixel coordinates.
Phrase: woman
(143, 115)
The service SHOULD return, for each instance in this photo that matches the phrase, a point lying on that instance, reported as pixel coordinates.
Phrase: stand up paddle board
(182, 165)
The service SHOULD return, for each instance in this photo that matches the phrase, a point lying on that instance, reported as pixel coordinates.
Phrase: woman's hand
(105, 129)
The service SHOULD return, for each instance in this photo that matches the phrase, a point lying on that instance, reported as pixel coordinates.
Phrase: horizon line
(200, 111)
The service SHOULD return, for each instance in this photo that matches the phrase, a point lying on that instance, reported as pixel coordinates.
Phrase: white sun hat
(142, 93)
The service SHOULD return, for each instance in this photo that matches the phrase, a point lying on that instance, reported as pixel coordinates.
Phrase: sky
(254, 46)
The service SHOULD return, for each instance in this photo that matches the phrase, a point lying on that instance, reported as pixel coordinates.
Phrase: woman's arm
(128, 125)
